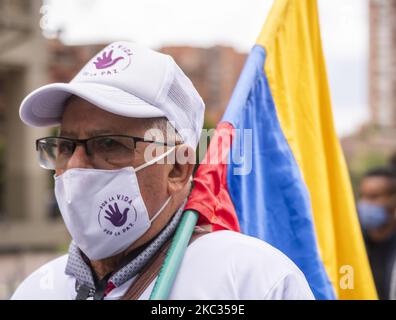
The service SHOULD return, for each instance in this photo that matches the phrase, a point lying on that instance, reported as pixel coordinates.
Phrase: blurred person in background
(377, 214)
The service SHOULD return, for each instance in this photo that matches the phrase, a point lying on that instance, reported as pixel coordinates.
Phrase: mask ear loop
(152, 161)
(161, 209)
(144, 165)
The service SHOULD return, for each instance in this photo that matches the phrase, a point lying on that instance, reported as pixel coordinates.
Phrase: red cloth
(209, 195)
(109, 287)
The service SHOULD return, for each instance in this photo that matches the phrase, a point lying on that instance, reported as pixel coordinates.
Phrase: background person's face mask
(103, 209)
(372, 216)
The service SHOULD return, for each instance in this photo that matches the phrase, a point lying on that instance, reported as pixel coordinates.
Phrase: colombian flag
(274, 168)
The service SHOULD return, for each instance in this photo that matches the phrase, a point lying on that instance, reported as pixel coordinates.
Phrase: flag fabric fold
(282, 176)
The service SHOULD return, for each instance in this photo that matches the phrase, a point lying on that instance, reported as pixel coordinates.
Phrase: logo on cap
(112, 60)
(106, 61)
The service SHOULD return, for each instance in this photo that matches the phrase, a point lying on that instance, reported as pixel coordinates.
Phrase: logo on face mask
(114, 215)
(117, 215)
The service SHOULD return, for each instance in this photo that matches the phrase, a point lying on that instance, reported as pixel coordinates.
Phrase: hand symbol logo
(106, 60)
(115, 216)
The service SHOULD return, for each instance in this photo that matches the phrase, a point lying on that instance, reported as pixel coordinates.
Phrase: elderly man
(121, 188)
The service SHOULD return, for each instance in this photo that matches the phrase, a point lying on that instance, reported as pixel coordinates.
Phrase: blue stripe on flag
(272, 201)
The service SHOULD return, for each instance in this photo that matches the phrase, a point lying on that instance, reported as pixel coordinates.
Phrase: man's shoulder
(47, 282)
(234, 245)
(231, 265)
(226, 238)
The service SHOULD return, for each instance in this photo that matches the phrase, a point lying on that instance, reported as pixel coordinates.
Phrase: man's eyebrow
(63, 133)
(99, 132)
(90, 133)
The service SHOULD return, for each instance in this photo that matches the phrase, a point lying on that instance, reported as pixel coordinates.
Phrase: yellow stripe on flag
(297, 78)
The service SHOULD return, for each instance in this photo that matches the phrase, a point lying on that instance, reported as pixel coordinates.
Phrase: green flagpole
(174, 256)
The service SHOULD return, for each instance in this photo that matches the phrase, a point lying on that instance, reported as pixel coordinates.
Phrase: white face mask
(103, 209)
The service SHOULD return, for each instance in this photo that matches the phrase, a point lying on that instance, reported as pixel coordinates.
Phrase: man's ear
(182, 169)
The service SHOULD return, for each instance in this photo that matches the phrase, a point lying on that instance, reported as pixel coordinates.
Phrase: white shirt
(219, 265)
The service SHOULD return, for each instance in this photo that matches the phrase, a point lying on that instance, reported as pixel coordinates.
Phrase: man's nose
(79, 159)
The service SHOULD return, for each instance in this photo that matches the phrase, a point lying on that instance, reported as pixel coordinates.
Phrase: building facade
(25, 189)
(382, 62)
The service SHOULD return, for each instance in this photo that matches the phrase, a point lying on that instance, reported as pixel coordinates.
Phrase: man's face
(82, 120)
(379, 190)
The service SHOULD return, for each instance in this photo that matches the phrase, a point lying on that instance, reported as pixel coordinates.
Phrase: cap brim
(45, 106)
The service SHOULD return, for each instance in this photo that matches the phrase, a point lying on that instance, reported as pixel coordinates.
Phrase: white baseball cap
(127, 80)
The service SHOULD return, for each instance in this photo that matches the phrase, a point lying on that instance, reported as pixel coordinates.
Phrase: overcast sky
(155, 23)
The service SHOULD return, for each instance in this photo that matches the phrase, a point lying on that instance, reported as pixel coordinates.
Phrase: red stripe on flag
(210, 195)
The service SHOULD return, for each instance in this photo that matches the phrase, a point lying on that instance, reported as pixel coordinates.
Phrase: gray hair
(168, 131)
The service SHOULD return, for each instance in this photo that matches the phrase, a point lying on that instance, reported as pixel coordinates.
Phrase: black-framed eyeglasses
(117, 150)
